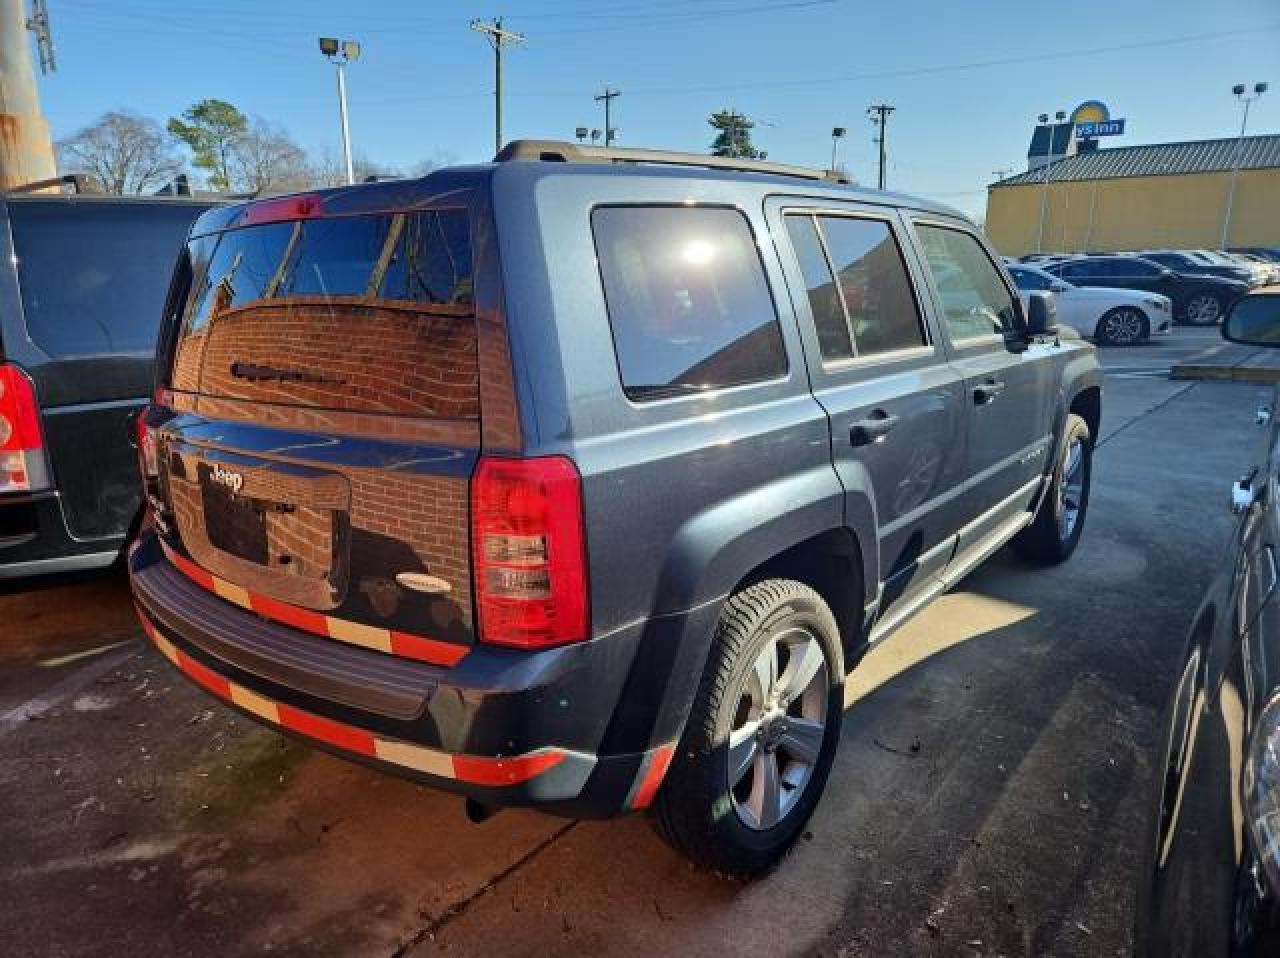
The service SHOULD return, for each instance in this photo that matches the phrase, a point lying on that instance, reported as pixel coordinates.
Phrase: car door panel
(1009, 395)
(896, 410)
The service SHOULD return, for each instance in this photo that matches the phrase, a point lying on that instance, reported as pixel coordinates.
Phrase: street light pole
(1239, 91)
(1043, 121)
(342, 52)
(836, 133)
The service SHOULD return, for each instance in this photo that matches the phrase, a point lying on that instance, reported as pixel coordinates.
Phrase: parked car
(1111, 317)
(1270, 271)
(1269, 253)
(1256, 275)
(548, 482)
(1188, 265)
(1198, 300)
(82, 287)
(1209, 884)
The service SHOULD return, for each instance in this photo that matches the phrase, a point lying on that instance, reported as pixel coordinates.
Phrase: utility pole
(498, 38)
(26, 150)
(607, 96)
(1244, 98)
(879, 113)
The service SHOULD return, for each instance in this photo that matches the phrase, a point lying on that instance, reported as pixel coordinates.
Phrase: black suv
(1188, 265)
(82, 285)
(1198, 300)
(582, 478)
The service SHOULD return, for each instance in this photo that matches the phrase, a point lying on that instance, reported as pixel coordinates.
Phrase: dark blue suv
(582, 478)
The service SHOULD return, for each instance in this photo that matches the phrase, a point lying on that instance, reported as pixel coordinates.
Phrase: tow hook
(479, 813)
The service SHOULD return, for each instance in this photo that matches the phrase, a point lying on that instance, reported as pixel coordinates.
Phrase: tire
(1122, 326)
(729, 828)
(1202, 309)
(1055, 531)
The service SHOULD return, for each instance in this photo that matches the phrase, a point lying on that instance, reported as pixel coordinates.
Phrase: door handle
(987, 392)
(1242, 494)
(874, 428)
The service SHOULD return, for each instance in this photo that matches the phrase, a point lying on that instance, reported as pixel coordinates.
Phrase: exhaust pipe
(479, 813)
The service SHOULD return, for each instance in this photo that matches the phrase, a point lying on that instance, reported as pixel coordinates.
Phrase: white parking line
(33, 708)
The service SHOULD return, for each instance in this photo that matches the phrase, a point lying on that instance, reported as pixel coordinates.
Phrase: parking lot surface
(988, 798)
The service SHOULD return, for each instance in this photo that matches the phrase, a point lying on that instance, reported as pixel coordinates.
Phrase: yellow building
(1172, 195)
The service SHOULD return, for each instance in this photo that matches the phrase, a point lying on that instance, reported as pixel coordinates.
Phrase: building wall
(1181, 212)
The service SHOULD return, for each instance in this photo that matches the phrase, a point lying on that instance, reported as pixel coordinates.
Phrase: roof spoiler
(560, 151)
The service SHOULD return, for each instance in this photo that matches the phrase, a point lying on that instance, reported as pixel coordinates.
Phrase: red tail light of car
(529, 551)
(23, 465)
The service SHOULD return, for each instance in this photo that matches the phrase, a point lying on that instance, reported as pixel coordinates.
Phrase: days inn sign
(1092, 118)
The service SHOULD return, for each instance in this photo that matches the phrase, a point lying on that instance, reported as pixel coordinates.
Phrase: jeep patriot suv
(581, 479)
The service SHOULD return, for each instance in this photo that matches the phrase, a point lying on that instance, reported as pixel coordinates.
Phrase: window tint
(975, 300)
(94, 276)
(687, 298)
(1136, 267)
(870, 287)
(824, 301)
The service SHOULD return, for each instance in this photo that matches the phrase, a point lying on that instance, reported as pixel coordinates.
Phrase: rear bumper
(34, 539)
(501, 726)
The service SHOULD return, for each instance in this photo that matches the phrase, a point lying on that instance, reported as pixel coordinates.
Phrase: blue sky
(967, 78)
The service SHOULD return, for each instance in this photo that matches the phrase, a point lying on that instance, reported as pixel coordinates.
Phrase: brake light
(23, 466)
(148, 449)
(529, 552)
(303, 207)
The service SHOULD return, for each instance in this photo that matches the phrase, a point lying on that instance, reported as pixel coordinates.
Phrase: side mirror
(1254, 320)
(1042, 315)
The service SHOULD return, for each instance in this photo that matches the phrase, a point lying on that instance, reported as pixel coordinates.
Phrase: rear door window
(688, 301)
(857, 280)
(94, 275)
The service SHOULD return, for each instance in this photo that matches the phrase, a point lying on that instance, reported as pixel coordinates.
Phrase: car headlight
(1262, 789)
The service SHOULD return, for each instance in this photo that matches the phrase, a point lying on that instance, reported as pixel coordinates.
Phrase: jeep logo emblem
(225, 477)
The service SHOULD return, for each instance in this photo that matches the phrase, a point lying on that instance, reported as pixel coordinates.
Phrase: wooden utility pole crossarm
(26, 149)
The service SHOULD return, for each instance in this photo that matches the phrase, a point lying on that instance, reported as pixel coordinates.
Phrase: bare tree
(124, 152)
(265, 159)
(329, 169)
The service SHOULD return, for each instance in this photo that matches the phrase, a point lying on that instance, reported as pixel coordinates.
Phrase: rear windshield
(365, 313)
(93, 277)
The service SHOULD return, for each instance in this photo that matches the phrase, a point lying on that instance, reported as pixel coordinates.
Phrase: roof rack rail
(561, 151)
(79, 183)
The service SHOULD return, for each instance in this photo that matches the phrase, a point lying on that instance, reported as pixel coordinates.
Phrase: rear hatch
(324, 371)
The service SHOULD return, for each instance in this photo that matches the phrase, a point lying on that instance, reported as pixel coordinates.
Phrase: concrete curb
(1239, 374)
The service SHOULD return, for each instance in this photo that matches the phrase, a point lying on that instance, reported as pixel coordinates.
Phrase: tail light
(23, 466)
(530, 552)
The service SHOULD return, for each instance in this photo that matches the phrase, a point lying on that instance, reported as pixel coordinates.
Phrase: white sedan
(1112, 317)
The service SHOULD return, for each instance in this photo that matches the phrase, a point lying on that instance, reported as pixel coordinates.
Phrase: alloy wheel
(778, 728)
(1071, 489)
(1203, 310)
(1123, 327)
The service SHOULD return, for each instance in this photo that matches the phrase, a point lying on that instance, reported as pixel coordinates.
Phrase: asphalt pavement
(988, 797)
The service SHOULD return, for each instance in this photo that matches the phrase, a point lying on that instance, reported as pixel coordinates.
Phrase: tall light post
(340, 53)
(1245, 98)
(837, 133)
(1043, 121)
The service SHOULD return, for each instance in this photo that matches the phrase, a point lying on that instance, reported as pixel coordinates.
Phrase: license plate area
(234, 524)
(278, 529)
